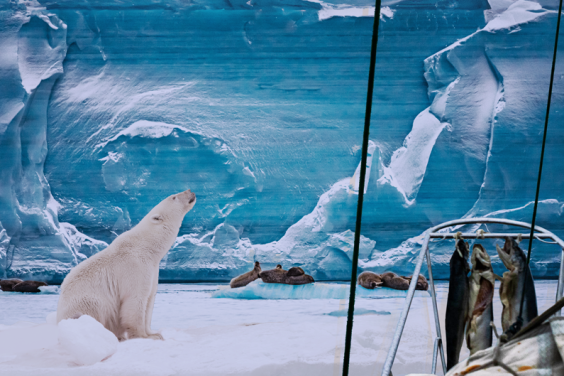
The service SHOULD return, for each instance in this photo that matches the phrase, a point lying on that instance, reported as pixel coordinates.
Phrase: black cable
(361, 187)
(517, 325)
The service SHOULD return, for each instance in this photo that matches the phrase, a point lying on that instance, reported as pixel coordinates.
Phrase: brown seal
(276, 275)
(279, 275)
(299, 280)
(370, 280)
(295, 271)
(422, 283)
(245, 279)
(394, 281)
(8, 284)
(29, 286)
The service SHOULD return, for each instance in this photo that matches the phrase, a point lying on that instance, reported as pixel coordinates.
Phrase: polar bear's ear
(156, 218)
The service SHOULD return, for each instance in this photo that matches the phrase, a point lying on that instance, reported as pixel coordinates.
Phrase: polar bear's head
(171, 211)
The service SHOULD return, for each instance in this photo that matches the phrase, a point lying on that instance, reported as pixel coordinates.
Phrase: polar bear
(117, 286)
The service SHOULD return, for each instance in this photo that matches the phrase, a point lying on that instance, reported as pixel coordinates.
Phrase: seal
(245, 279)
(394, 281)
(117, 286)
(279, 275)
(299, 280)
(8, 284)
(370, 280)
(276, 275)
(295, 271)
(29, 286)
(422, 283)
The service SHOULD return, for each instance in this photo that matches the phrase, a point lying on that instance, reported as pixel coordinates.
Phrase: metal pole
(442, 352)
(520, 318)
(386, 371)
(560, 286)
(361, 183)
(435, 308)
(434, 361)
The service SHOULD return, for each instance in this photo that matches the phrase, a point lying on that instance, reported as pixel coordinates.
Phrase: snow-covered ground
(211, 336)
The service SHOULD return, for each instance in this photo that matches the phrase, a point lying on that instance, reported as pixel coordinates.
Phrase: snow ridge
(345, 10)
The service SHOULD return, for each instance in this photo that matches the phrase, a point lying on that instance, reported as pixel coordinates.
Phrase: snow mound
(51, 318)
(86, 340)
(25, 337)
(260, 290)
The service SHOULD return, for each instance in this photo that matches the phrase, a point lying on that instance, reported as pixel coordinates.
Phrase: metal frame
(432, 233)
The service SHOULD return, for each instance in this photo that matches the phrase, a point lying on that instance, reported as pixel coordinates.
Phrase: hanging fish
(480, 307)
(457, 303)
(513, 283)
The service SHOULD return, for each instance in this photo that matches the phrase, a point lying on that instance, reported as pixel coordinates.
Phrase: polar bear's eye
(157, 218)
(174, 198)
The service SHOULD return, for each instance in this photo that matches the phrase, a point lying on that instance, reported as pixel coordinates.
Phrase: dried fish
(478, 330)
(512, 285)
(457, 303)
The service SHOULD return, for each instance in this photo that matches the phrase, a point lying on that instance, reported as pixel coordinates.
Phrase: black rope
(361, 187)
(519, 323)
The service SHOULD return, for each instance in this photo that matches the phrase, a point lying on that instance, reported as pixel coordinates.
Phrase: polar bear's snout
(188, 198)
(192, 198)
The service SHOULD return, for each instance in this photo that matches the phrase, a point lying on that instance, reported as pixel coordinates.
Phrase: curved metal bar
(543, 241)
(440, 239)
(486, 235)
(502, 221)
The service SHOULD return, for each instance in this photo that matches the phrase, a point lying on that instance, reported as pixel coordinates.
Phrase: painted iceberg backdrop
(258, 106)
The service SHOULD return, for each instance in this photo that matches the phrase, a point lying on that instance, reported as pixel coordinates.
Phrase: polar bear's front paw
(156, 336)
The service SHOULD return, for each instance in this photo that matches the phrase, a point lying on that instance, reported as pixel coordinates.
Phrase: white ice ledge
(260, 290)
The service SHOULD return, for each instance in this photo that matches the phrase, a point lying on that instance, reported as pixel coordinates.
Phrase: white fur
(117, 286)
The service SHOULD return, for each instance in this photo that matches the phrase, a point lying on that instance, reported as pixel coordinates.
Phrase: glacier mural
(257, 106)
